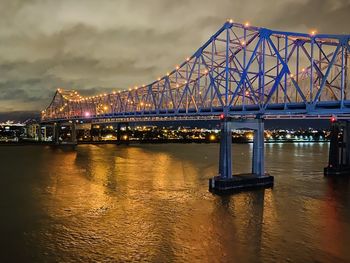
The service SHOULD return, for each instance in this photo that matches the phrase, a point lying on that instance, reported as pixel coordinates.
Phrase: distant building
(11, 131)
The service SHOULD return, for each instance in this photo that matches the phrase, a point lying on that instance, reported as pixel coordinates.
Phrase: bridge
(243, 74)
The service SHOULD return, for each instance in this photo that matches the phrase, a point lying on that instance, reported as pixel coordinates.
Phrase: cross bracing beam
(240, 71)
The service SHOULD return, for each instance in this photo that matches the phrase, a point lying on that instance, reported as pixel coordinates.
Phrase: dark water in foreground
(150, 203)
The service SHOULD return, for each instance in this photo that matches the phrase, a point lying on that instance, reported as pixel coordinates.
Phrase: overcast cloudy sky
(98, 45)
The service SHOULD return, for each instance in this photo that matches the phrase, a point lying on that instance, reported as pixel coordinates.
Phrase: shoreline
(29, 143)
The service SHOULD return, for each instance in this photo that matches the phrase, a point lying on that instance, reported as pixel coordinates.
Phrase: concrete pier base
(225, 182)
(339, 149)
(240, 182)
(334, 171)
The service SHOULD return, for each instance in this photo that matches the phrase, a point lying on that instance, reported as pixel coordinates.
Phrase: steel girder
(241, 70)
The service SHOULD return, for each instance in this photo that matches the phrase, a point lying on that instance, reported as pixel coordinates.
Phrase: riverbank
(24, 143)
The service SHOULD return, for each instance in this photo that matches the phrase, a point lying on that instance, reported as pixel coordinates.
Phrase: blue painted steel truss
(241, 70)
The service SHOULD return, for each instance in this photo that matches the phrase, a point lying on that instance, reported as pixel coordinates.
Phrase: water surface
(111, 203)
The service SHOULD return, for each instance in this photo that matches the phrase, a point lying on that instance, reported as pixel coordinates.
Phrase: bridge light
(188, 59)
(247, 93)
(222, 116)
(313, 32)
(333, 119)
(206, 71)
(87, 114)
(177, 67)
(303, 70)
(243, 43)
(167, 74)
(230, 21)
(246, 24)
(105, 107)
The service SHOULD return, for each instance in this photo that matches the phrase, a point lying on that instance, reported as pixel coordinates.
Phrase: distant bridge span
(241, 70)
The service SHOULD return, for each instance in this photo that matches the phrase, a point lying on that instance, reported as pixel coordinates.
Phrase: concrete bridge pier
(339, 149)
(123, 135)
(56, 133)
(73, 134)
(225, 182)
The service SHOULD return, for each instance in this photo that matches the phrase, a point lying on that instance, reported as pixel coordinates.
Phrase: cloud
(95, 46)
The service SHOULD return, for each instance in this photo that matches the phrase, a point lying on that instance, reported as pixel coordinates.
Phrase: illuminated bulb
(303, 70)
(243, 43)
(231, 21)
(167, 74)
(206, 71)
(177, 67)
(158, 79)
(313, 32)
(247, 93)
(188, 59)
(177, 85)
(247, 24)
(291, 75)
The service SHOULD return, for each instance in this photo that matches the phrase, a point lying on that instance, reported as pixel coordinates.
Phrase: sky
(95, 46)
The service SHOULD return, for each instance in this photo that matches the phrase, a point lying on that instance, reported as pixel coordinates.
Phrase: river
(150, 203)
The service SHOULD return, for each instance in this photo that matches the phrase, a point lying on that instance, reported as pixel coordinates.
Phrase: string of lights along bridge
(243, 74)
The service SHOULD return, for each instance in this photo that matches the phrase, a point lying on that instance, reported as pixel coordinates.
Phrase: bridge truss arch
(241, 70)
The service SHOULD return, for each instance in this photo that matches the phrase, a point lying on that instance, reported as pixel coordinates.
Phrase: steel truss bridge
(241, 70)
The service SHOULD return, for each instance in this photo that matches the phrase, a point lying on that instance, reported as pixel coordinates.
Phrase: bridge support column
(225, 182)
(56, 133)
(45, 133)
(38, 130)
(123, 136)
(339, 149)
(74, 133)
(225, 160)
(258, 162)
